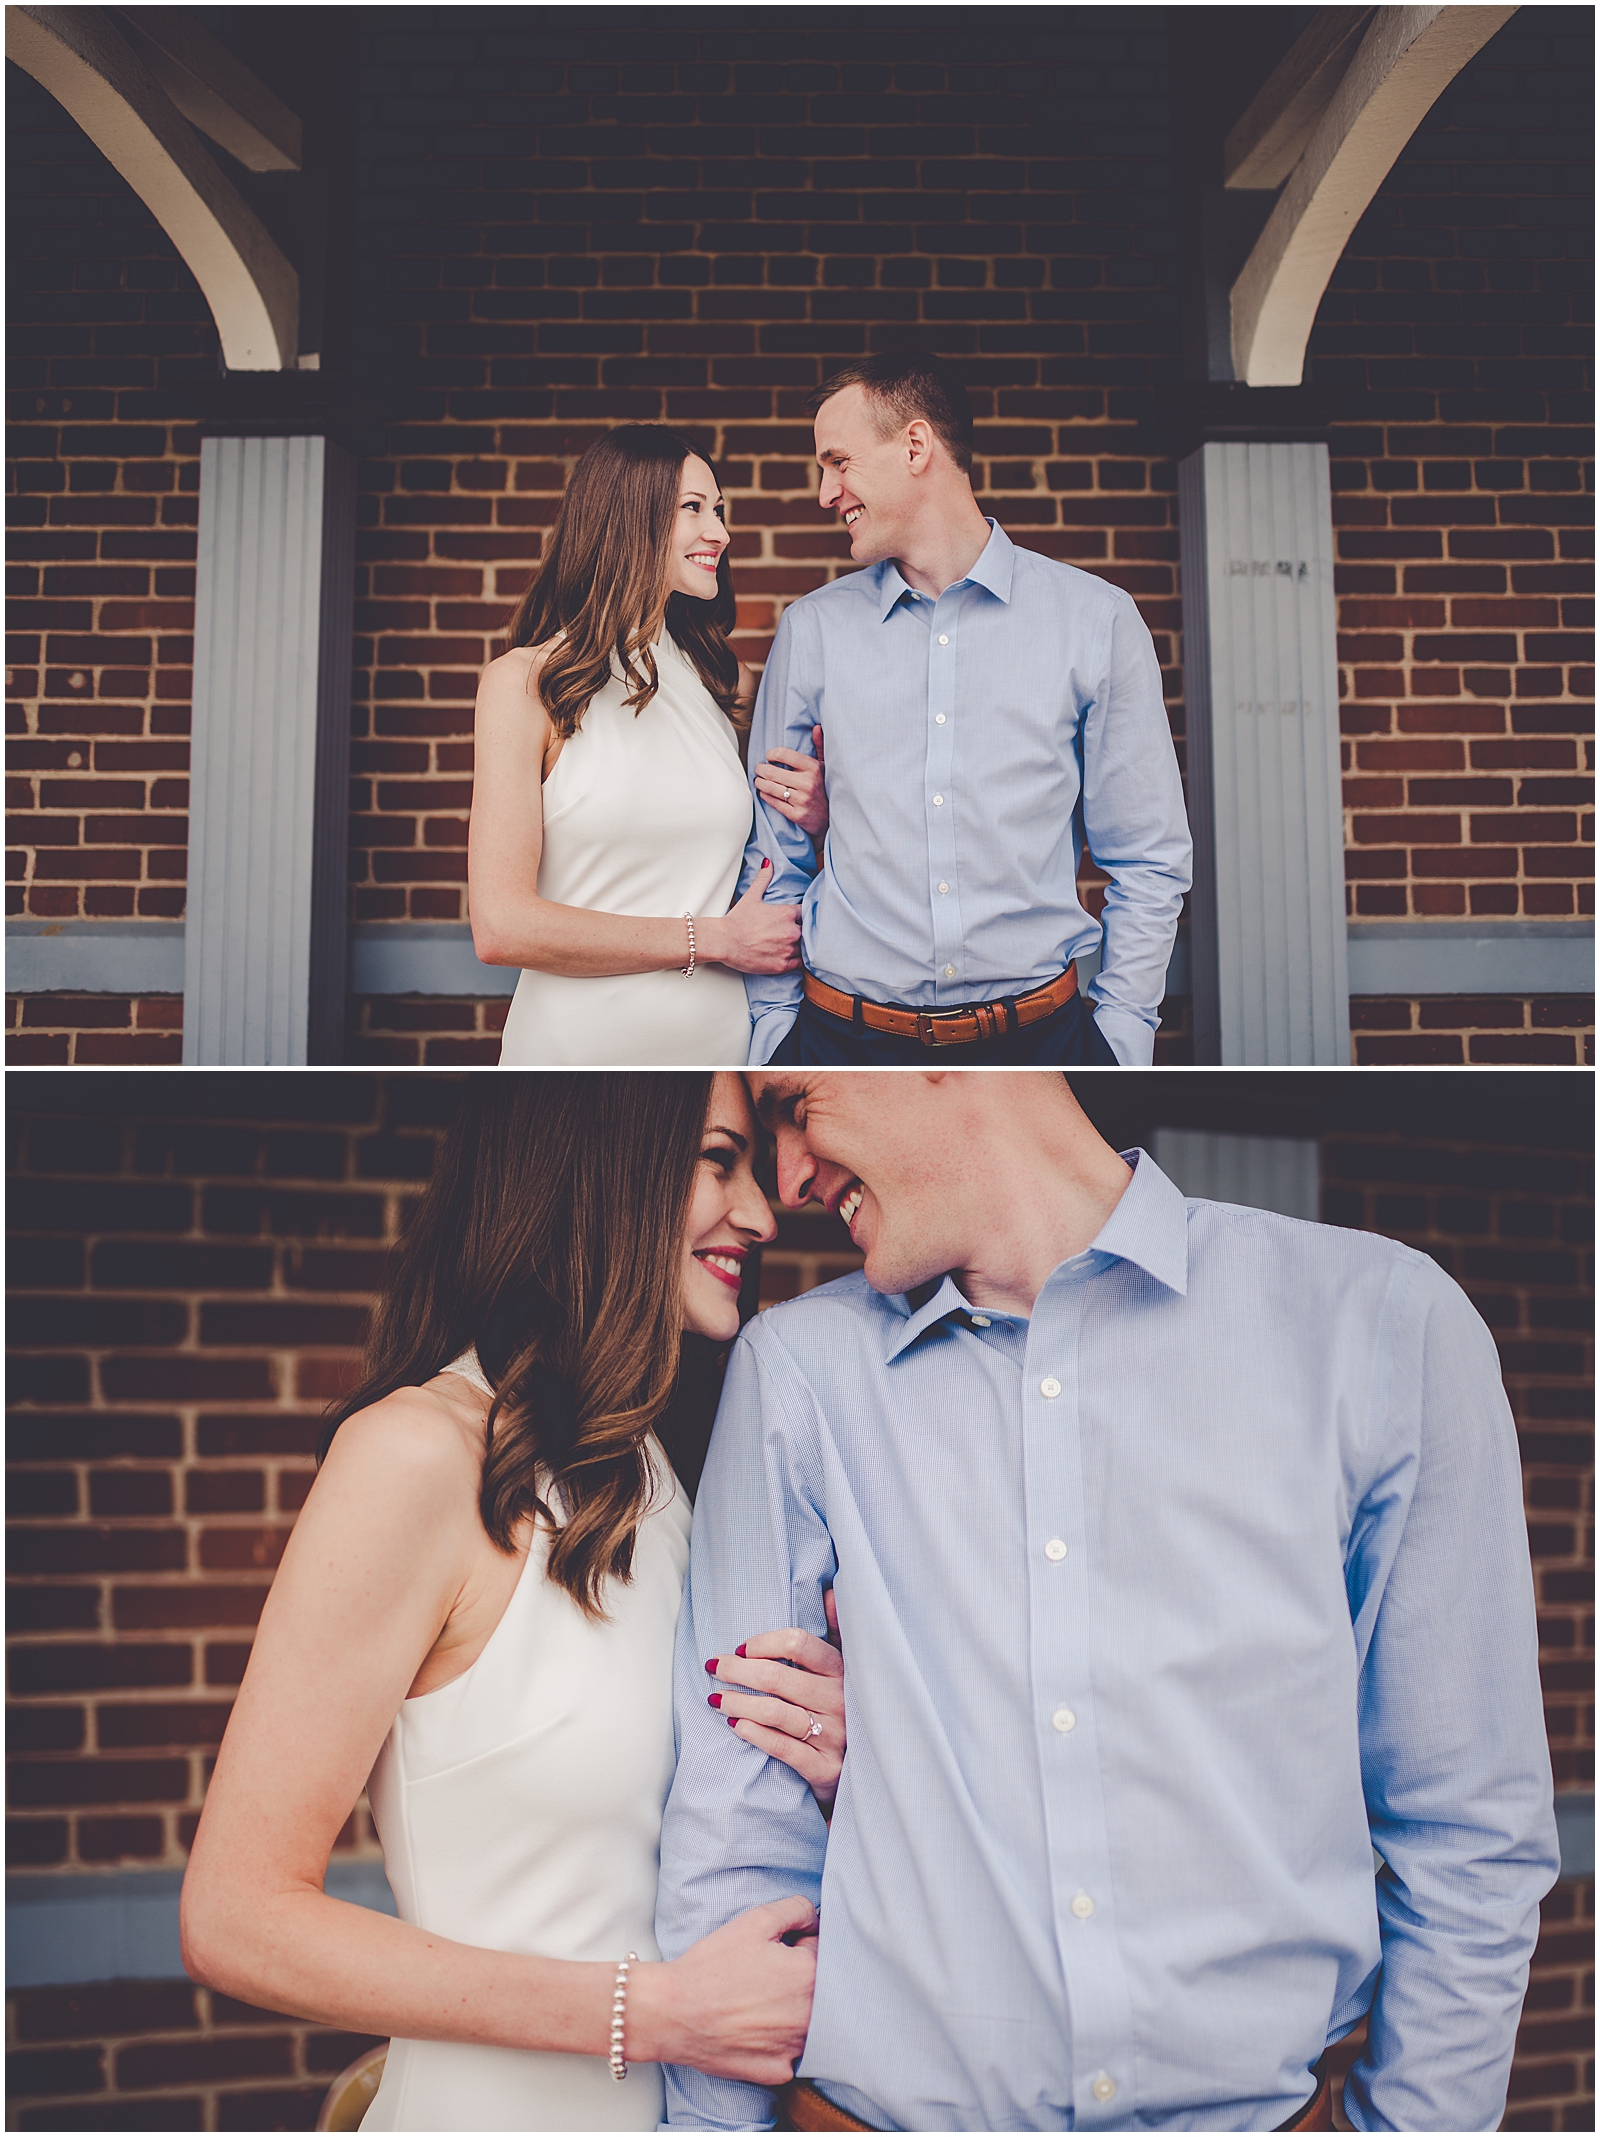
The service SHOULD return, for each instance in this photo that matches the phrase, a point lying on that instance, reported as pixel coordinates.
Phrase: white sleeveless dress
(519, 1808)
(645, 814)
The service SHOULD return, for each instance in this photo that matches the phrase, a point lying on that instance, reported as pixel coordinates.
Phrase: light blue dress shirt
(974, 744)
(1160, 1610)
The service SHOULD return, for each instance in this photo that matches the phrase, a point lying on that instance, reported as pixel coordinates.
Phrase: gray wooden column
(1261, 699)
(264, 949)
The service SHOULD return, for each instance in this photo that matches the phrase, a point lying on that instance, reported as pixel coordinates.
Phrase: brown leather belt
(802, 2107)
(945, 1027)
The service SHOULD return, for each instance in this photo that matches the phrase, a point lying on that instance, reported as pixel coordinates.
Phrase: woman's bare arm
(379, 1558)
(513, 925)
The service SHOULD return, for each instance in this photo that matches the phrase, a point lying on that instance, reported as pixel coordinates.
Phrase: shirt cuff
(1130, 1038)
(769, 1029)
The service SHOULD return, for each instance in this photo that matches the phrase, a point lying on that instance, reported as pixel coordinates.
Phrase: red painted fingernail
(739, 1650)
(711, 1666)
(713, 1699)
(732, 1720)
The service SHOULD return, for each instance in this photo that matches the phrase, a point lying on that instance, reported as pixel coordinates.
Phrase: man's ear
(919, 445)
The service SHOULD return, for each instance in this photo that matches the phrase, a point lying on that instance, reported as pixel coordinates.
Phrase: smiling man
(987, 713)
(1180, 1562)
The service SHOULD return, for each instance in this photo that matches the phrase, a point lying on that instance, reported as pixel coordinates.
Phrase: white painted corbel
(1406, 59)
(81, 57)
(1264, 146)
(215, 91)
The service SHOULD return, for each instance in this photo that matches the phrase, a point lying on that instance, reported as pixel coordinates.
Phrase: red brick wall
(1463, 480)
(93, 1030)
(191, 1263)
(164, 2055)
(412, 1030)
(1466, 643)
(1445, 1030)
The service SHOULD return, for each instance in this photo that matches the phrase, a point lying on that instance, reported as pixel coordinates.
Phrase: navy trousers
(1068, 1038)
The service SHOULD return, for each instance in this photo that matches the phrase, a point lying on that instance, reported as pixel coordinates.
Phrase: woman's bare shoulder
(510, 682)
(416, 1444)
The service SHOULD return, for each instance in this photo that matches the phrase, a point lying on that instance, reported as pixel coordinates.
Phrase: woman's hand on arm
(792, 783)
(792, 1682)
(738, 2003)
(754, 936)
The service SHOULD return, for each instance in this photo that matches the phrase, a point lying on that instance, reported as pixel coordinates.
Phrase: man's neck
(1057, 1211)
(945, 548)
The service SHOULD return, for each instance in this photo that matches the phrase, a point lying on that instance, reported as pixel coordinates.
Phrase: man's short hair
(904, 384)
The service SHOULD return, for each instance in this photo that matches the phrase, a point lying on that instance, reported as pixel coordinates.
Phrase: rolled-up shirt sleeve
(1137, 830)
(740, 1828)
(1455, 1767)
(784, 716)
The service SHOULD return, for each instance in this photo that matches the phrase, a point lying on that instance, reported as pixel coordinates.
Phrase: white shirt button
(1104, 2088)
(938, 719)
(938, 801)
(1055, 1550)
(1050, 1387)
(1083, 1907)
(943, 640)
(980, 1320)
(949, 971)
(1065, 1722)
(944, 890)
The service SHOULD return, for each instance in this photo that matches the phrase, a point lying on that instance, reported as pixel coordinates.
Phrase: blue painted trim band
(94, 957)
(1575, 1826)
(1428, 957)
(1408, 958)
(122, 1925)
(422, 958)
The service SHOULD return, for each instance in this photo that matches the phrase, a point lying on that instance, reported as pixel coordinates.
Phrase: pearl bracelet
(619, 2013)
(688, 969)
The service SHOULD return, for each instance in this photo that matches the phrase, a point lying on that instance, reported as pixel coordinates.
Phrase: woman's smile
(726, 1264)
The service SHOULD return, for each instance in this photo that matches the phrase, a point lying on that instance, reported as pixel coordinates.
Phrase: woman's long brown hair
(551, 1238)
(602, 591)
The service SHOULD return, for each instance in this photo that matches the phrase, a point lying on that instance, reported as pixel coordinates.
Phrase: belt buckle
(929, 1024)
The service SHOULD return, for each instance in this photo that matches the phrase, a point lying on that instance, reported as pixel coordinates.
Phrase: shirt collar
(910, 1320)
(1149, 1227)
(993, 572)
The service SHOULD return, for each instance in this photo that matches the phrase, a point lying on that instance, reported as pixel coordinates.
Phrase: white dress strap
(470, 1370)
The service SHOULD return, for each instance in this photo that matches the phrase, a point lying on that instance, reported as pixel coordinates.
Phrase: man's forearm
(1140, 925)
(1443, 2027)
(739, 1828)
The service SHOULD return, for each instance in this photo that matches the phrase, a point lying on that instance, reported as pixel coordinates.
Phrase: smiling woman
(477, 1608)
(610, 808)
